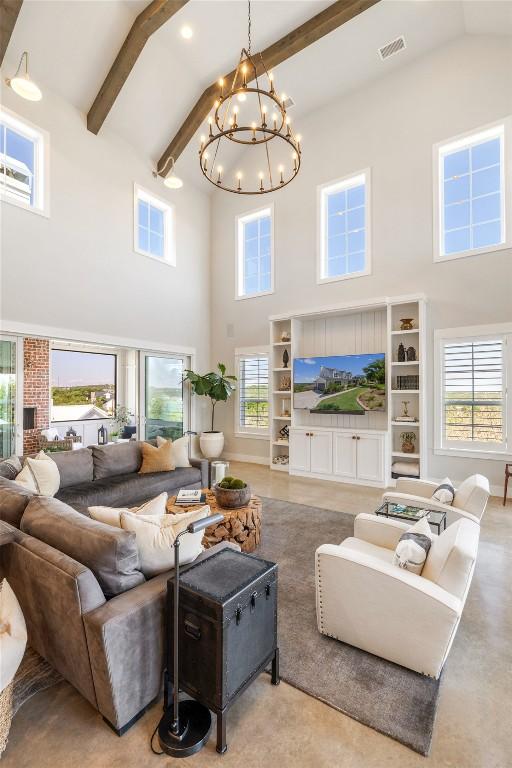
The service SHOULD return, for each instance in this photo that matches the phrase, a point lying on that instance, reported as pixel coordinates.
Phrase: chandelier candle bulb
(274, 120)
(210, 121)
(253, 126)
(281, 170)
(260, 175)
(221, 86)
(271, 80)
(244, 76)
(239, 177)
(264, 116)
(219, 176)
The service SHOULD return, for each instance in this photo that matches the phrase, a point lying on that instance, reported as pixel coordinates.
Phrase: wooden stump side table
(240, 526)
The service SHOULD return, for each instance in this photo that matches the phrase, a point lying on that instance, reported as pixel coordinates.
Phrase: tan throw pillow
(112, 515)
(179, 450)
(159, 459)
(40, 475)
(156, 535)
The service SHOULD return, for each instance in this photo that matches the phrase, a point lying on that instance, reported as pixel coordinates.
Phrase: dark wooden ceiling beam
(9, 10)
(145, 25)
(312, 30)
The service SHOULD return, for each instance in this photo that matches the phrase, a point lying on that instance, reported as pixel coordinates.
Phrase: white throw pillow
(412, 549)
(179, 450)
(156, 536)
(445, 492)
(112, 515)
(13, 634)
(40, 475)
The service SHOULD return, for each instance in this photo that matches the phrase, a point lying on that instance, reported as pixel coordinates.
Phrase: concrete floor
(281, 726)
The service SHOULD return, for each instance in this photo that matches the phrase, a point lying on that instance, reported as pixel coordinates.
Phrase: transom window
(471, 194)
(253, 406)
(474, 392)
(154, 226)
(254, 254)
(344, 232)
(23, 163)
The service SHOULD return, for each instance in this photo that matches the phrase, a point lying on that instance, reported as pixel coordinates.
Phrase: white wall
(390, 126)
(77, 269)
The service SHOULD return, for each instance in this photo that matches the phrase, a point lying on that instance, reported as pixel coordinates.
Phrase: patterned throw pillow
(10, 467)
(412, 549)
(445, 492)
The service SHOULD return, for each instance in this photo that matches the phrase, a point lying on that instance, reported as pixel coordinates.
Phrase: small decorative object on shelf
(114, 436)
(281, 460)
(285, 433)
(285, 383)
(285, 336)
(401, 353)
(408, 382)
(405, 413)
(71, 432)
(286, 358)
(408, 439)
(406, 324)
(102, 436)
(286, 408)
(411, 354)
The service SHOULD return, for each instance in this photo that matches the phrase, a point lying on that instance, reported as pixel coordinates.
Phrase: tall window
(255, 254)
(83, 385)
(253, 416)
(471, 194)
(474, 393)
(154, 227)
(344, 237)
(23, 163)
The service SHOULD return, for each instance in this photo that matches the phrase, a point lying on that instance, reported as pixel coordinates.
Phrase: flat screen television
(340, 384)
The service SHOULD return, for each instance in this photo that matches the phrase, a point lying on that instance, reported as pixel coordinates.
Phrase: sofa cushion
(157, 458)
(13, 501)
(128, 490)
(74, 466)
(452, 557)
(118, 459)
(110, 553)
(112, 515)
(10, 467)
(40, 474)
(472, 495)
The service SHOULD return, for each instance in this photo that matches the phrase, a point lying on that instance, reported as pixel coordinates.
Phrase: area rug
(389, 698)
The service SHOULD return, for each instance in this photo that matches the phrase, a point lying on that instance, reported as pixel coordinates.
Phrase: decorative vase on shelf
(401, 353)
(406, 323)
(212, 444)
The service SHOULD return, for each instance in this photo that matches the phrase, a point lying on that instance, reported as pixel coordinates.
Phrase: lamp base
(195, 727)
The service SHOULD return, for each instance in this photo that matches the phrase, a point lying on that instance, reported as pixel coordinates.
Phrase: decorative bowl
(232, 498)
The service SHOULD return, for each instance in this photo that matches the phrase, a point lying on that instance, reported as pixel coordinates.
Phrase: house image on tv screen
(353, 384)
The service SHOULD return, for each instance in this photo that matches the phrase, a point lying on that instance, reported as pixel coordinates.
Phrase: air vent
(288, 102)
(395, 46)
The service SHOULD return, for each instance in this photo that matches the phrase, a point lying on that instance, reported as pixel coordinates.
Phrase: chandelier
(255, 117)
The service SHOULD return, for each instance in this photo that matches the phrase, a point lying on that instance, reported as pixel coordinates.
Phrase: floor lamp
(185, 727)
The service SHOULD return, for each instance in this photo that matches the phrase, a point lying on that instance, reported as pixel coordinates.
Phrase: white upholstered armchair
(365, 600)
(470, 498)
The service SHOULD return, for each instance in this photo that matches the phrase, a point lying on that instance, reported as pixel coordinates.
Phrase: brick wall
(36, 388)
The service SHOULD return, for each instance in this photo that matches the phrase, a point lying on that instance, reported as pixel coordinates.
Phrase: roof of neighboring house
(77, 412)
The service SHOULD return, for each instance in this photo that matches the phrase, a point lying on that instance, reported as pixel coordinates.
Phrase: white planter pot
(212, 444)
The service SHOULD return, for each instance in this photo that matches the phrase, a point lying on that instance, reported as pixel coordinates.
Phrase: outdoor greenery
(481, 420)
(217, 386)
(81, 395)
(348, 401)
(255, 410)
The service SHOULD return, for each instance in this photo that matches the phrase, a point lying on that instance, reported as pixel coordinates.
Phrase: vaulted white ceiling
(73, 43)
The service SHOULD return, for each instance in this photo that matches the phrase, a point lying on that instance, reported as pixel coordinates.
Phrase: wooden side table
(241, 526)
(508, 473)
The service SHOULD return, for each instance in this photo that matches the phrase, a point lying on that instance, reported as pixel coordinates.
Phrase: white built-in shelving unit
(358, 328)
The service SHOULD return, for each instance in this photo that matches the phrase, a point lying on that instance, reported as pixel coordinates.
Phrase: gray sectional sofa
(89, 609)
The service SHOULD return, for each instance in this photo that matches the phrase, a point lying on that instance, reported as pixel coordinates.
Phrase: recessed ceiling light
(187, 32)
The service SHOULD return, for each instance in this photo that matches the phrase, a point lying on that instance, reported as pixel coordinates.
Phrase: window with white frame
(254, 254)
(471, 193)
(23, 163)
(344, 236)
(253, 406)
(473, 409)
(153, 226)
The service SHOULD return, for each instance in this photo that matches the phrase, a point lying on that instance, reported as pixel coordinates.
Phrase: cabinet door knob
(353, 437)
(311, 434)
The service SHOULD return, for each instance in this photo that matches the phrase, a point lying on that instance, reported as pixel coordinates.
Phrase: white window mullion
(252, 394)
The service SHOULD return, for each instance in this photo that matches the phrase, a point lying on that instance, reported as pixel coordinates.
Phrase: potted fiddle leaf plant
(218, 387)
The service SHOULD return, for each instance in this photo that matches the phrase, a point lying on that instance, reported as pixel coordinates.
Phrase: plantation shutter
(253, 392)
(474, 392)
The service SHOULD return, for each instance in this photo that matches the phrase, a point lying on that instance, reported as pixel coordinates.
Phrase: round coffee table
(240, 526)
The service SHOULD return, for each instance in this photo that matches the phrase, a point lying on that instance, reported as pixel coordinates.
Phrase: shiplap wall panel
(354, 334)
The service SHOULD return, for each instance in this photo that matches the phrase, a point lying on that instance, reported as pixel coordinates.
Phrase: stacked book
(187, 498)
(408, 382)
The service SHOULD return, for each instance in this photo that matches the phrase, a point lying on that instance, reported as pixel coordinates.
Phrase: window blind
(253, 393)
(474, 391)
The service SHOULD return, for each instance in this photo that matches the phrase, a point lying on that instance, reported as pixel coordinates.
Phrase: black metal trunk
(227, 626)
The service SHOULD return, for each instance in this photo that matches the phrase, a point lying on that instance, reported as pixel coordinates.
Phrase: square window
(154, 226)
(470, 203)
(23, 163)
(343, 222)
(254, 253)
